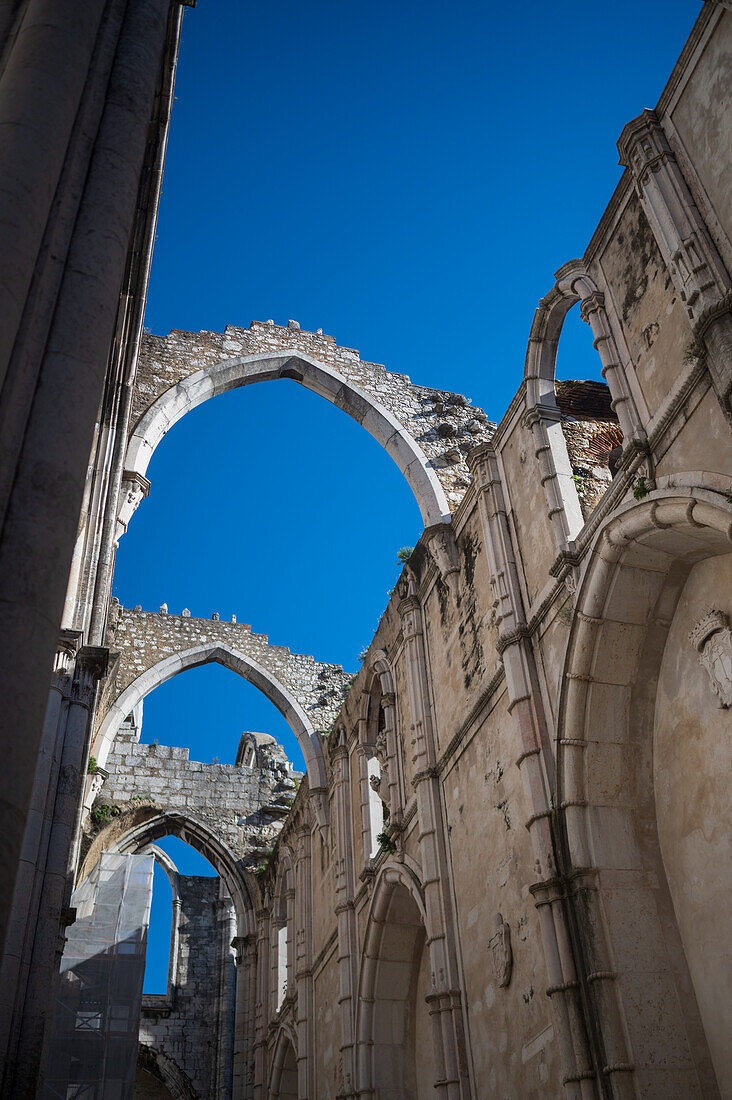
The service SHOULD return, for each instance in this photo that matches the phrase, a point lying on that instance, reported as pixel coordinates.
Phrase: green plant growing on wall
(405, 553)
(102, 813)
(640, 489)
(91, 766)
(386, 843)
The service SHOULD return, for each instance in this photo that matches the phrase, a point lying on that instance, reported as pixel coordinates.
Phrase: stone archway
(393, 1019)
(623, 792)
(136, 830)
(159, 1078)
(243, 664)
(283, 1079)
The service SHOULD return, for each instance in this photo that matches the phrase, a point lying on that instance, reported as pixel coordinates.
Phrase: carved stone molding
(712, 639)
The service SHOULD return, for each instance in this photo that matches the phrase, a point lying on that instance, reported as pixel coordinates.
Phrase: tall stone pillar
(262, 1006)
(345, 912)
(445, 999)
(77, 91)
(696, 268)
(304, 965)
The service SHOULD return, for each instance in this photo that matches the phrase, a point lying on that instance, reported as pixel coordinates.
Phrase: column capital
(643, 146)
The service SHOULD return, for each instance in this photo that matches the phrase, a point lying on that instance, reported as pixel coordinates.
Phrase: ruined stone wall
(243, 806)
(142, 639)
(185, 1026)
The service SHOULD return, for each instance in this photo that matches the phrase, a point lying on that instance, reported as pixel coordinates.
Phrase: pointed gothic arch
(243, 665)
(322, 379)
(393, 1021)
(283, 1078)
(143, 828)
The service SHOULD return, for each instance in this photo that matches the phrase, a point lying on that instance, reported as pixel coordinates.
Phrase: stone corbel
(442, 545)
(90, 667)
(133, 491)
(93, 784)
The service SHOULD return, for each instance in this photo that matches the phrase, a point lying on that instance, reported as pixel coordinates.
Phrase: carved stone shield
(499, 949)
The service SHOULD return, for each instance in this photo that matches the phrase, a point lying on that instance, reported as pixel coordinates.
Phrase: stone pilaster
(262, 1009)
(245, 949)
(347, 934)
(304, 964)
(445, 995)
(696, 268)
(523, 691)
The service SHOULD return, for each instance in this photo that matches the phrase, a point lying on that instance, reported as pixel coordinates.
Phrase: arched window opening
(577, 356)
(206, 710)
(322, 464)
(174, 859)
(376, 806)
(589, 421)
(160, 936)
(283, 940)
(379, 774)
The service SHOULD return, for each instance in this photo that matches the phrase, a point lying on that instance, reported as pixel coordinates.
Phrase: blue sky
(406, 177)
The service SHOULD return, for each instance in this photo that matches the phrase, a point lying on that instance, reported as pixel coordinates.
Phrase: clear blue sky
(406, 177)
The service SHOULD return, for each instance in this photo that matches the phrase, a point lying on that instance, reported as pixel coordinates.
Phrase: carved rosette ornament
(499, 949)
(712, 639)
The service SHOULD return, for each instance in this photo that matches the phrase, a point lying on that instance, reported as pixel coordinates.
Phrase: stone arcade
(505, 872)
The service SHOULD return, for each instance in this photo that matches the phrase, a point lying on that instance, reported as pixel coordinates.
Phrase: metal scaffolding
(93, 1050)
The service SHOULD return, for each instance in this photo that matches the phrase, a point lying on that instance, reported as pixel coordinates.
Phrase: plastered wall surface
(691, 773)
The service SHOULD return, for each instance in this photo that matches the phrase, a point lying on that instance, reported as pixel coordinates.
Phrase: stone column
(696, 268)
(304, 965)
(524, 704)
(445, 996)
(76, 97)
(345, 912)
(245, 948)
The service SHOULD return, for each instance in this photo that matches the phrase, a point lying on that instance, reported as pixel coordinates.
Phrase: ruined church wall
(327, 1026)
(700, 113)
(511, 1033)
(707, 454)
(186, 1026)
(653, 321)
